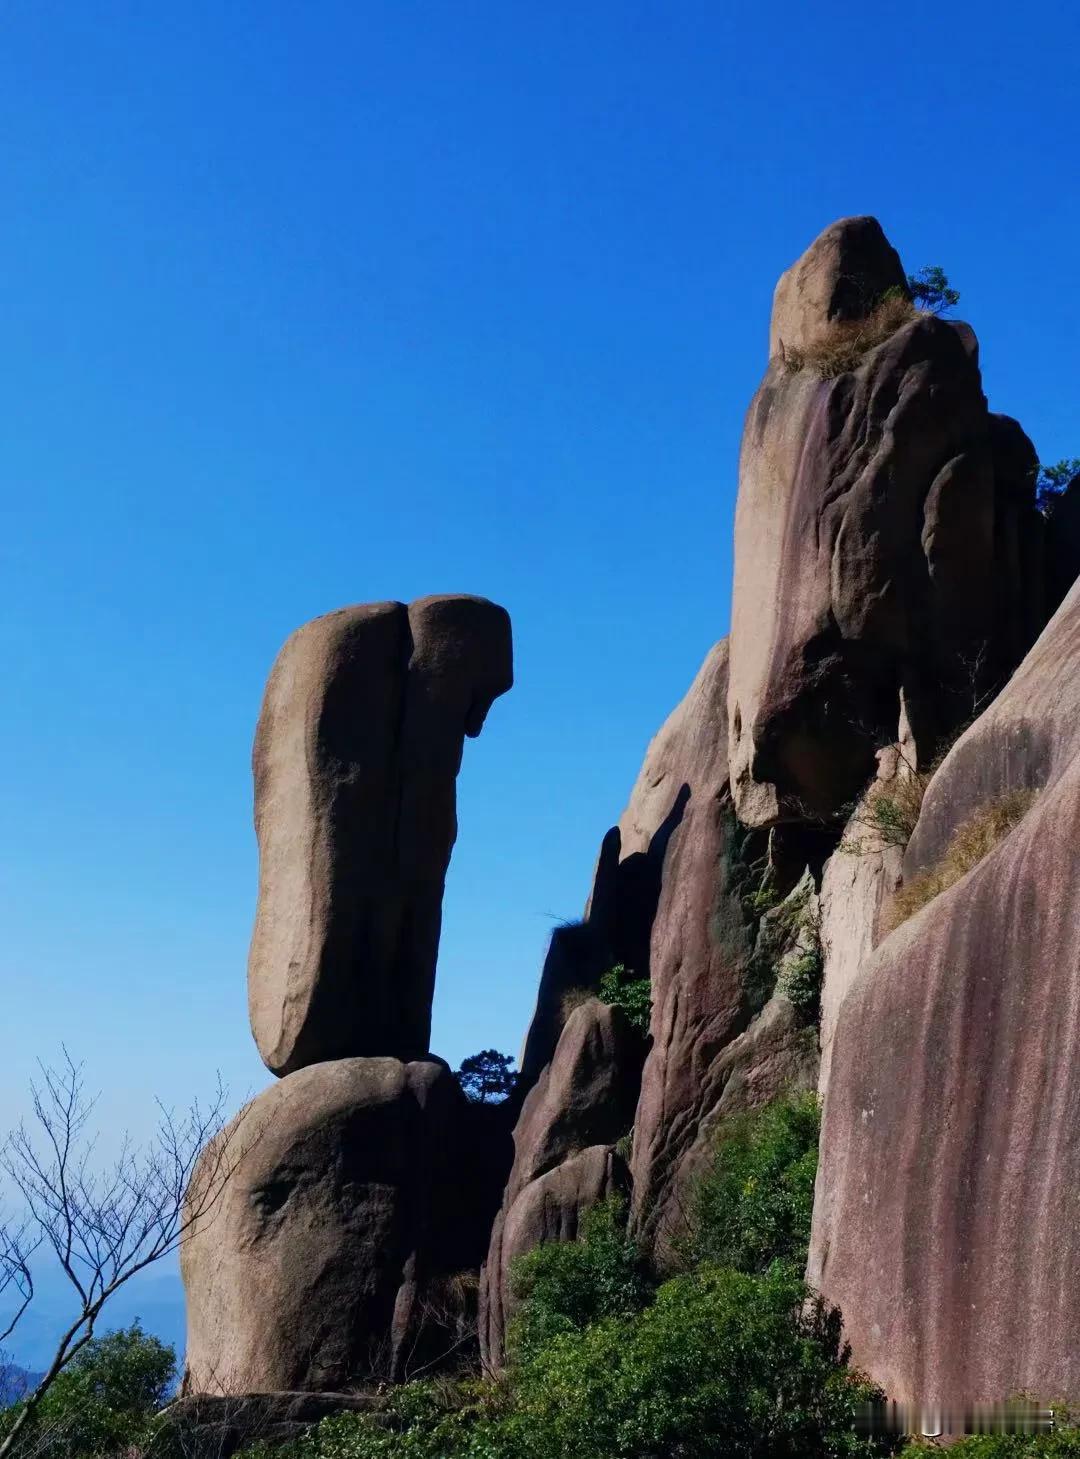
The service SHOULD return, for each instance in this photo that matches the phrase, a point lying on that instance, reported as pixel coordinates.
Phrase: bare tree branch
(103, 1226)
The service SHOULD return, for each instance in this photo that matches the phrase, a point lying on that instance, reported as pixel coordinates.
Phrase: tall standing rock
(883, 518)
(356, 756)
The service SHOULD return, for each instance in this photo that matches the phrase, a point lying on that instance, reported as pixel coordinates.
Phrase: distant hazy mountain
(155, 1297)
(14, 1382)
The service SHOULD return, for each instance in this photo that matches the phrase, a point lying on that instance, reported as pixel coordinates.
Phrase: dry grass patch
(843, 343)
(971, 841)
(574, 998)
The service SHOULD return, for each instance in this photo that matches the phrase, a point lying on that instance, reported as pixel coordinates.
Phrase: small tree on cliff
(1052, 481)
(101, 1225)
(931, 290)
(487, 1077)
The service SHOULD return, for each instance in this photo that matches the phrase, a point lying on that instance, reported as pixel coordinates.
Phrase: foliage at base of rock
(564, 1286)
(754, 1204)
(605, 1364)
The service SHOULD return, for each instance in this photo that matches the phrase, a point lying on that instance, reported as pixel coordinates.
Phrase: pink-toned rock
(356, 757)
(882, 522)
(340, 1211)
(549, 1208)
(582, 1103)
(945, 1221)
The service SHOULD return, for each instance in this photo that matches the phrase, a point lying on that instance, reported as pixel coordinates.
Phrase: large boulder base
(945, 1220)
(356, 756)
(338, 1217)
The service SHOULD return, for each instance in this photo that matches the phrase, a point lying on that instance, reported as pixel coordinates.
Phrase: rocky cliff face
(886, 538)
(891, 572)
(945, 1221)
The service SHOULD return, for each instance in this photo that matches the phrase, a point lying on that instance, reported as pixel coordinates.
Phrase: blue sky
(309, 305)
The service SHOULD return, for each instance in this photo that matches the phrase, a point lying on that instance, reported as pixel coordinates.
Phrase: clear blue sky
(305, 305)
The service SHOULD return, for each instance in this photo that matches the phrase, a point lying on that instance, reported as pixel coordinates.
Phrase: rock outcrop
(891, 572)
(564, 1156)
(699, 960)
(338, 1225)
(945, 1219)
(883, 518)
(356, 756)
(326, 1247)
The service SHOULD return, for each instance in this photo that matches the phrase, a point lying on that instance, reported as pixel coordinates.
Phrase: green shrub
(623, 989)
(753, 1204)
(563, 1286)
(721, 1364)
(788, 947)
(800, 980)
(105, 1401)
(1052, 480)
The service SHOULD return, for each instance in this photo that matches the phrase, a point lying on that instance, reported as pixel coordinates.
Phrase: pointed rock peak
(842, 275)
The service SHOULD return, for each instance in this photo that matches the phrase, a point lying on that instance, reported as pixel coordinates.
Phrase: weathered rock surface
(883, 518)
(856, 880)
(549, 1208)
(581, 1105)
(207, 1427)
(341, 1216)
(699, 943)
(945, 1222)
(841, 276)
(356, 755)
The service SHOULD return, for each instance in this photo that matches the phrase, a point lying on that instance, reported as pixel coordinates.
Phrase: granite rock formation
(886, 541)
(699, 960)
(356, 756)
(945, 1220)
(564, 1156)
(335, 1224)
(353, 1200)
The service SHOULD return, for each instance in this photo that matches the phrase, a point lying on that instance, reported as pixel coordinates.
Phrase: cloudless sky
(305, 305)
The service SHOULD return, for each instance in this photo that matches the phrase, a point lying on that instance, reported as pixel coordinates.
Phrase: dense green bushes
(753, 1205)
(621, 987)
(732, 1357)
(562, 1287)
(103, 1404)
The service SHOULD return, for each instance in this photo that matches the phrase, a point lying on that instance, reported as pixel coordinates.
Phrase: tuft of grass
(972, 840)
(888, 814)
(843, 343)
(574, 998)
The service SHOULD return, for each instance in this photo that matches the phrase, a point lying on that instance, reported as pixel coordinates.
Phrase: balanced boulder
(356, 756)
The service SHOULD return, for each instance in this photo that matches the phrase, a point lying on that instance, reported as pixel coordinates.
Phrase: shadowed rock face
(356, 756)
(580, 1106)
(311, 1270)
(884, 518)
(945, 1220)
